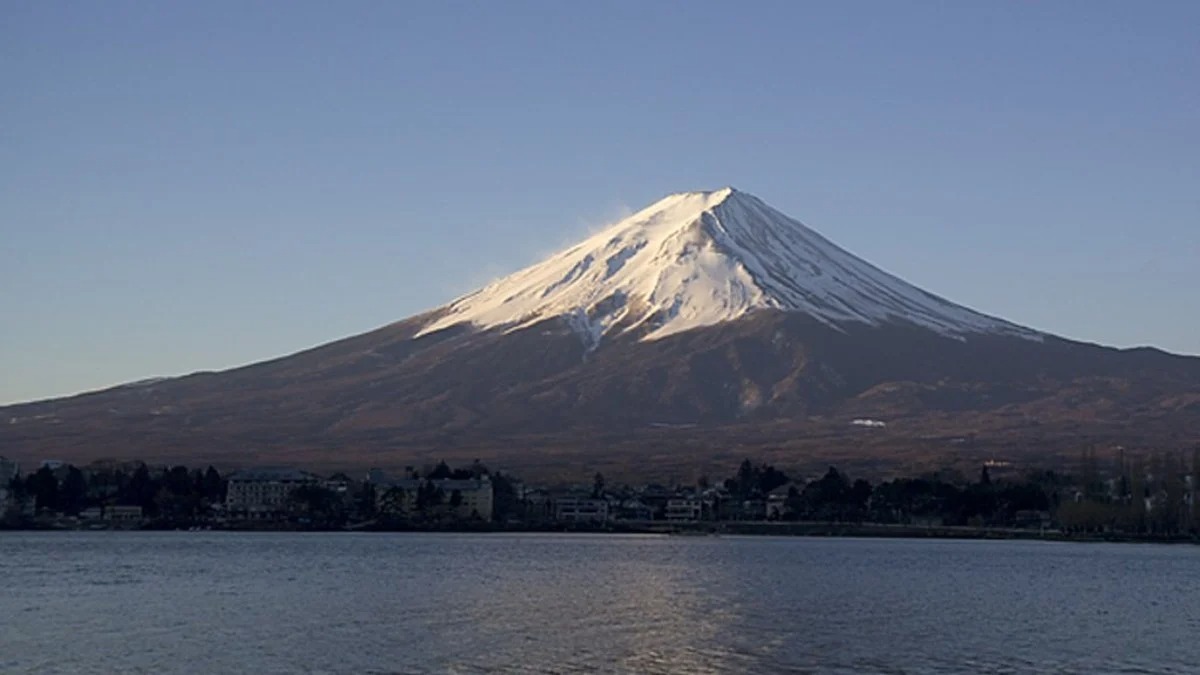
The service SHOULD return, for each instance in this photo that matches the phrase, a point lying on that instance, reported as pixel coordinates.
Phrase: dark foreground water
(342, 603)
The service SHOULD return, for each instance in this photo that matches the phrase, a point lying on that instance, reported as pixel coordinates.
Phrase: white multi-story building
(684, 509)
(264, 493)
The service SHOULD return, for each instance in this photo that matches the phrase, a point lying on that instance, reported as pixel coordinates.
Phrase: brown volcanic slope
(775, 385)
(703, 329)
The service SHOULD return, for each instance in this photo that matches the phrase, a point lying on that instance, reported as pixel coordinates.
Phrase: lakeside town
(1117, 498)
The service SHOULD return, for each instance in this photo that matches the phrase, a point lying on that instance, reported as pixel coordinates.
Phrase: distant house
(1032, 519)
(339, 484)
(751, 509)
(262, 494)
(925, 520)
(123, 514)
(684, 509)
(656, 497)
(576, 510)
(777, 501)
(537, 504)
(91, 513)
(635, 509)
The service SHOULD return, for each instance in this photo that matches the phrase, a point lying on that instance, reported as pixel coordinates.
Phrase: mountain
(697, 259)
(700, 330)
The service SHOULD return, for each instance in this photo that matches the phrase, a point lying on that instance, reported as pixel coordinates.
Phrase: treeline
(178, 492)
(835, 497)
(1154, 499)
(1154, 494)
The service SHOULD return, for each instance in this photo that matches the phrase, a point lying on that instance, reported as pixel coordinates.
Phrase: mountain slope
(704, 328)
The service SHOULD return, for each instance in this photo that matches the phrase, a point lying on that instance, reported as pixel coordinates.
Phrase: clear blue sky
(201, 185)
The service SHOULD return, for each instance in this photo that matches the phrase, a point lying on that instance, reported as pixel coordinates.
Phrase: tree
(794, 502)
(456, 499)
(320, 504)
(141, 490)
(746, 480)
(14, 517)
(830, 498)
(1172, 518)
(364, 501)
(1090, 475)
(391, 502)
(770, 478)
(598, 485)
(177, 481)
(43, 486)
(72, 494)
(504, 497)
(214, 486)
(429, 496)
(478, 469)
(860, 495)
(1195, 516)
(755, 481)
(441, 472)
(1137, 496)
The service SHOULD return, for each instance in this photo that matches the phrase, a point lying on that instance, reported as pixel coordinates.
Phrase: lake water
(110, 602)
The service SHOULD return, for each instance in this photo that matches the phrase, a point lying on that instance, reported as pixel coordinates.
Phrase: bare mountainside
(702, 329)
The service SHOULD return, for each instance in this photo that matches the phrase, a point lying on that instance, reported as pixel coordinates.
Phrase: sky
(194, 186)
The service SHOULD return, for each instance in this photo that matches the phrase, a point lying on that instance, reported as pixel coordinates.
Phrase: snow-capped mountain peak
(696, 259)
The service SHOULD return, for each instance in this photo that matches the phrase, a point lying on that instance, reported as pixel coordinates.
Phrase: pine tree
(73, 491)
(1195, 520)
(1173, 490)
(1137, 489)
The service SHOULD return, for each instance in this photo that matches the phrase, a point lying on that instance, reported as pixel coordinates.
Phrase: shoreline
(730, 528)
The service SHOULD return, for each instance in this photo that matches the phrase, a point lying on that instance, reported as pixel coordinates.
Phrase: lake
(177, 602)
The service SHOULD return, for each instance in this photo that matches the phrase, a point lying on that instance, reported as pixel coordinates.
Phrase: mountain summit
(704, 329)
(696, 259)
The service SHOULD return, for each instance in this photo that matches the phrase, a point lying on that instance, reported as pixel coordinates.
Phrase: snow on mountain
(700, 258)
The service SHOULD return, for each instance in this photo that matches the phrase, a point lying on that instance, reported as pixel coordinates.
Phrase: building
(575, 510)
(656, 497)
(749, 509)
(537, 505)
(684, 509)
(636, 509)
(263, 494)
(777, 501)
(463, 498)
(91, 513)
(123, 514)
